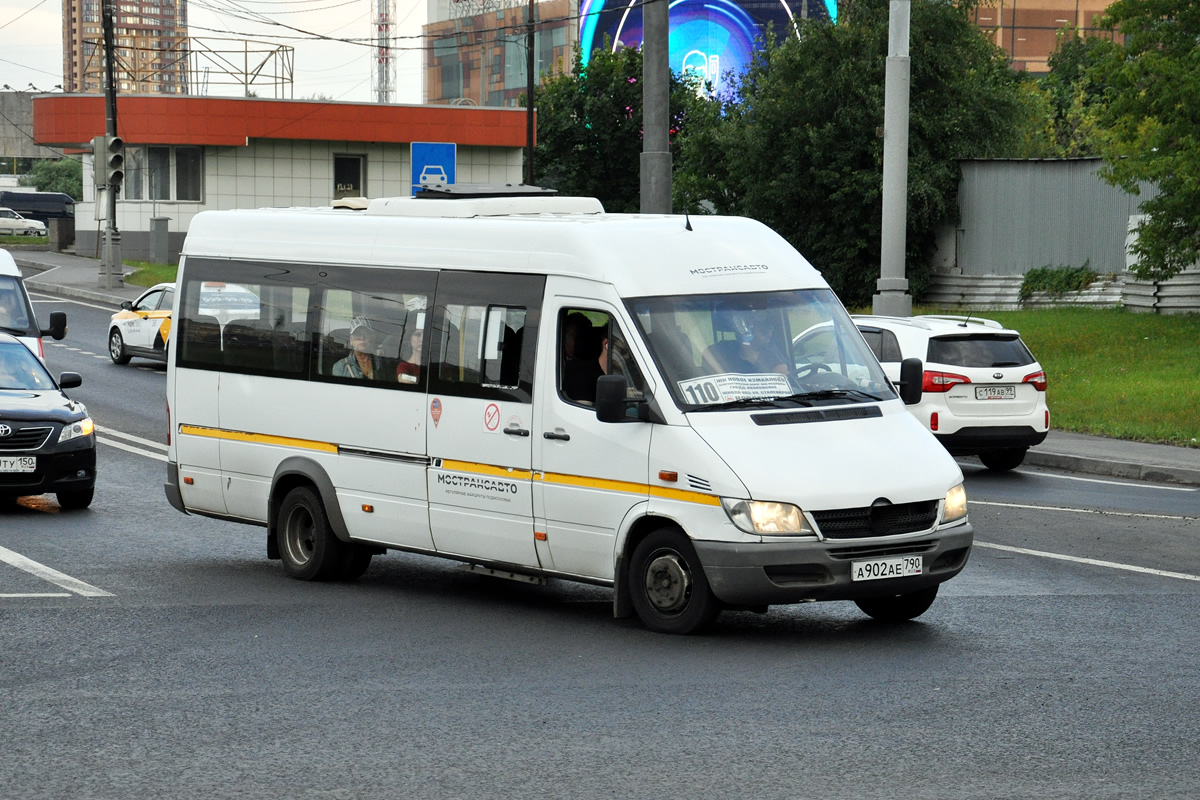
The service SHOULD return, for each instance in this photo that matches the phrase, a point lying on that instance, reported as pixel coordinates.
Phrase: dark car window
(979, 350)
(882, 343)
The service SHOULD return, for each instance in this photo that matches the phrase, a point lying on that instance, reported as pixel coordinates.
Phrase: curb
(1114, 469)
(70, 291)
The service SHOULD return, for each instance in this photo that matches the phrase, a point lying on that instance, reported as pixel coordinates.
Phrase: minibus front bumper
(775, 573)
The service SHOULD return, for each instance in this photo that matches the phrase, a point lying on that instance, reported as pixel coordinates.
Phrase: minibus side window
(484, 335)
(373, 336)
(591, 344)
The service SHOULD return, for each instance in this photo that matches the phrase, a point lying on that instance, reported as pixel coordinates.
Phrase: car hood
(830, 464)
(23, 405)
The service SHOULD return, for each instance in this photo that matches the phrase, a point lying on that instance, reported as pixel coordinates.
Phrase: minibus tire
(308, 547)
(116, 347)
(667, 585)
(899, 607)
(355, 563)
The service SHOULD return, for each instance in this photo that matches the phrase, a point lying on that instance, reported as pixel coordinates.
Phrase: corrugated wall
(1018, 215)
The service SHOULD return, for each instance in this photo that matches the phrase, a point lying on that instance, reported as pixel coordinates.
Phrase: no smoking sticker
(491, 418)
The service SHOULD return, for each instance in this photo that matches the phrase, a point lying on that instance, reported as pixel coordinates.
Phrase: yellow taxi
(141, 328)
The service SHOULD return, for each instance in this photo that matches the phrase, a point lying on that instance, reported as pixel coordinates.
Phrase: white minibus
(16, 311)
(679, 409)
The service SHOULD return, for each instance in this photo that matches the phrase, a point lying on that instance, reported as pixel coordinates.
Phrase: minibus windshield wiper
(829, 394)
(748, 402)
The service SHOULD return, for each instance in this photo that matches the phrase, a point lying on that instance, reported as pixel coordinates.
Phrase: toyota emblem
(5, 430)
(997, 375)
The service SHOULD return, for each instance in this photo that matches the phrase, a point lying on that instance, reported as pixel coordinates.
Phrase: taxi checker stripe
(259, 438)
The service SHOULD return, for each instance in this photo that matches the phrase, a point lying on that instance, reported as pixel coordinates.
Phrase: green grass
(1115, 373)
(148, 274)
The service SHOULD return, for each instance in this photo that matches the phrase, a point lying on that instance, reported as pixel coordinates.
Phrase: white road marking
(39, 594)
(1110, 483)
(52, 575)
(107, 431)
(1100, 511)
(131, 449)
(52, 299)
(1091, 561)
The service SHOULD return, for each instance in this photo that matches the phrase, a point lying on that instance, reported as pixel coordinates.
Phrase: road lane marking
(1100, 511)
(52, 575)
(53, 299)
(107, 431)
(1183, 576)
(39, 594)
(131, 449)
(1110, 483)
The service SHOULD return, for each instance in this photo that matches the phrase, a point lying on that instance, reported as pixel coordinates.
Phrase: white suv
(13, 224)
(983, 392)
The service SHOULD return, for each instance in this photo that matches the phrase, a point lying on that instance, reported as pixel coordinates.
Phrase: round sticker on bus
(435, 410)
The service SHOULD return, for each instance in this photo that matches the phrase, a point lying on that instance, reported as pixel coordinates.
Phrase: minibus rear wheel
(667, 584)
(899, 607)
(308, 547)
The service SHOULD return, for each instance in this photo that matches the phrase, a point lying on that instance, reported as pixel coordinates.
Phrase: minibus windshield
(759, 349)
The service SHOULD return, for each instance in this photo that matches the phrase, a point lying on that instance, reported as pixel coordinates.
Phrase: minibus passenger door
(480, 415)
(592, 472)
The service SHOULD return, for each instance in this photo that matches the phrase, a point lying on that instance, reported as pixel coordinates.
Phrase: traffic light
(108, 157)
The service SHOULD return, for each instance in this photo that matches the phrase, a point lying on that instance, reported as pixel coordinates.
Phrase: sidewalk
(75, 276)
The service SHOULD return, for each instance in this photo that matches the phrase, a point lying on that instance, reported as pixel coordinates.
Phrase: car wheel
(1002, 460)
(308, 547)
(116, 347)
(75, 499)
(667, 585)
(900, 607)
(355, 563)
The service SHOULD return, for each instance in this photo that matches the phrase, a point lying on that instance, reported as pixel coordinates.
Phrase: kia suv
(983, 392)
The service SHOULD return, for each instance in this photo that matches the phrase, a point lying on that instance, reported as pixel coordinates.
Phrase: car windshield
(979, 350)
(787, 349)
(19, 369)
(14, 311)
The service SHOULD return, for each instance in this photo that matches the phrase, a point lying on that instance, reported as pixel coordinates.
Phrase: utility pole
(113, 155)
(656, 111)
(529, 85)
(893, 298)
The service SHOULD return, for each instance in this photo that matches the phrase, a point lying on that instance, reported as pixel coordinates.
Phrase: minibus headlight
(956, 504)
(756, 516)
(73, 430)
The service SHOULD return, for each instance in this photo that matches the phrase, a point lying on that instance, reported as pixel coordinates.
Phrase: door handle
(516, 431)
(562, 437)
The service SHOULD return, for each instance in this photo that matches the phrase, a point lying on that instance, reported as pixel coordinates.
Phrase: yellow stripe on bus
(257, 438)
(486, 469)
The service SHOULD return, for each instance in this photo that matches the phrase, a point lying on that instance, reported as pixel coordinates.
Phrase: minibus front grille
(880, 551)
(817, 415)
(25, 439)
(881, 519)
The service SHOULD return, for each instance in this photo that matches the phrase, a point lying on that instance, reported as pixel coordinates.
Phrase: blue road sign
(433, 163)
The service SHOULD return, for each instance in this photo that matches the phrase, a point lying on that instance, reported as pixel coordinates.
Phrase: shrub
(1057, 281)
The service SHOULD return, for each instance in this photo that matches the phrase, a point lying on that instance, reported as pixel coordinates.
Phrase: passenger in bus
(586, 365)
(360, 363)
(408, 370)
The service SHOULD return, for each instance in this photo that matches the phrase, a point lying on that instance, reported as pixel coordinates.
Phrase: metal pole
(893, 298)
(656, 112)
(112, 237)
(529, 61)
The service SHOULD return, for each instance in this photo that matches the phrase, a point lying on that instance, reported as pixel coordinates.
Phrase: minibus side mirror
(58, 325)
(69, 380)
(911, 373)
(610, 398)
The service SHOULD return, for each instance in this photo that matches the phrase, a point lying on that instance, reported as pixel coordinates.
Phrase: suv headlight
(73, 430)
(955, 505)
(767, 519)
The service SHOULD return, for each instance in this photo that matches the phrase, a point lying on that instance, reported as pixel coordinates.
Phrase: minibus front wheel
(667, 585)
(308, 547)
(899, 607)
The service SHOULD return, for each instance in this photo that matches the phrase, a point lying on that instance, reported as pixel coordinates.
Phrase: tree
(589, 127)
(799, 146)
(56, 175)
(1150, 117)
(1073, 94)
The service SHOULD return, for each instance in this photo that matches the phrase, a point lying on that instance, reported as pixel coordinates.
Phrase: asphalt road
(1063, 662)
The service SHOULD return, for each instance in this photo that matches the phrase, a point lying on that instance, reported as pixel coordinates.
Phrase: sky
(31, 43)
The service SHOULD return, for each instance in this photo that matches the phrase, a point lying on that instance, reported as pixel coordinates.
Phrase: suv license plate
(879, 568)
(18, 464)
(995, 393)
